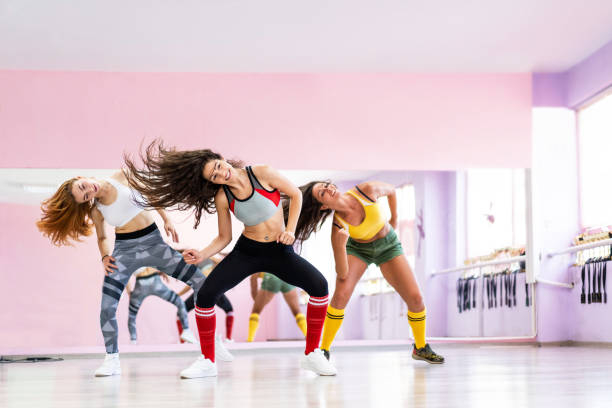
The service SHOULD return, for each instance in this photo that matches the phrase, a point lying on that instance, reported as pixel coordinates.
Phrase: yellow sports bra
(372, 223)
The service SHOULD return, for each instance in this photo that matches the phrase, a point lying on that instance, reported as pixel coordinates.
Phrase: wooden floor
(474, 376)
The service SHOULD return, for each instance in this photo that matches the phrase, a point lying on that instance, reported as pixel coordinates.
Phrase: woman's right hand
(109, 264)
(341, 237)
(192, 256)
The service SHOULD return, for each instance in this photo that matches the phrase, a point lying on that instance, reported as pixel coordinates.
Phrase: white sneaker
(188, 337)
(133, 341)
(110, 366)
(317, 363)
(228, 340)
(221, 353)
(202, 367)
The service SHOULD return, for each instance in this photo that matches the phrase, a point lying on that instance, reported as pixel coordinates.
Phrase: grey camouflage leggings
(152, 285)
(133, 251)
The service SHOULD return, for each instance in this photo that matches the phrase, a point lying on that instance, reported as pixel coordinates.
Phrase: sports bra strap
(228, 193)
(254, 182)
(359, 198)
(343, 224)
(364, 194)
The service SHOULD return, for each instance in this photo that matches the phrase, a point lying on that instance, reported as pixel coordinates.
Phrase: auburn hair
(63, 219)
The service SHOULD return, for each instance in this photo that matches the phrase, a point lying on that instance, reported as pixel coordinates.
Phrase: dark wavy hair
(173, 178)
(312, 216)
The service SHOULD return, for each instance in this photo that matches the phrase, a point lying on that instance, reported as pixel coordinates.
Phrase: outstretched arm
(339, 237)
(103, 245)
(186, 289)
(222, 240)
(168, 225)
(122, 176)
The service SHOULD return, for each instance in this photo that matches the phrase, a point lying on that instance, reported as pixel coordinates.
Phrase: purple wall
(589, 77)
(549, 89)
(560, 315)
(576, 85)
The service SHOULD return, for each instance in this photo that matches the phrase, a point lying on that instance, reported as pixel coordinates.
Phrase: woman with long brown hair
(361, 236)
(203, 180)
(81, 205)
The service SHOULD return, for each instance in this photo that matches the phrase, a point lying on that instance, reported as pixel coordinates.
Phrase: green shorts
(380, 251)
(273, 284)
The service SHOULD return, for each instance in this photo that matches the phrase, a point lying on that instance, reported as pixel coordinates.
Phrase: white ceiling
(301, 36)
(31, 186)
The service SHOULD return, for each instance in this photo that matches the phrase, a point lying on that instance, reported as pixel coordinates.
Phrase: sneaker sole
(415, 357)
(187, 377)
(306, 366)
(108, 375)
(188, 340)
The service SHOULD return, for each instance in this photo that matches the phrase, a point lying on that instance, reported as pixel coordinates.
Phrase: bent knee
(108, 312)
(415, 302)
(207, 296)
(318, 287)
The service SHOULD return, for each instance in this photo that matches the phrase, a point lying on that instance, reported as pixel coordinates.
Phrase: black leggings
(223, 302)
(249, 257)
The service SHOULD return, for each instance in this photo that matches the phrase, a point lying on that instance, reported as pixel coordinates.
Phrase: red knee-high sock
(315, 317)
(180, 329)
(207, 321)
(229, 324)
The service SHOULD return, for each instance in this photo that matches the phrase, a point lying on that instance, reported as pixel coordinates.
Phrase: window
(595, 162)
(495, 210)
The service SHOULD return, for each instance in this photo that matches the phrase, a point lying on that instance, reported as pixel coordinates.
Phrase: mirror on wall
(445, 219)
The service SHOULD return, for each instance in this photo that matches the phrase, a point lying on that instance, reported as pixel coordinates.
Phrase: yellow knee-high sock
(333, 321)
(417, 323)
(253, 325)
(300, 319)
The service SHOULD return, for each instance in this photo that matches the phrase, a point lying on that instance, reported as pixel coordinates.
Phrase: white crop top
(124, 208)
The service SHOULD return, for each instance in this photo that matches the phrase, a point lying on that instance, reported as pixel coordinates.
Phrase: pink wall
(390, 121)
(291, 121)
(51, 295)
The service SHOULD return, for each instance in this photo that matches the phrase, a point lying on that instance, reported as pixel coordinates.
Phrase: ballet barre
(504, 262)
(478, 265)
(577, 248)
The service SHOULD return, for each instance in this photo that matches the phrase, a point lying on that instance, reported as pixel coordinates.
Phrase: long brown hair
(173, 178)
(63, 219)
(312, 216)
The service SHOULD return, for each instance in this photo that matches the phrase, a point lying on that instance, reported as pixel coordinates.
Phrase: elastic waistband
(146, 277)
(121, 236)
(259, 248)
(391, 235)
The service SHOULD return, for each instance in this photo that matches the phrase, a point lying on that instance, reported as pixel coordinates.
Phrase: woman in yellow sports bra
(361, 236)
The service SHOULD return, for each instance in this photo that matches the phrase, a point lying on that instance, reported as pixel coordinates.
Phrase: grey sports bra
(258, 207)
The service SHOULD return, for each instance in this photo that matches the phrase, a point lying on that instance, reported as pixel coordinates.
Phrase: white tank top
(124, 208)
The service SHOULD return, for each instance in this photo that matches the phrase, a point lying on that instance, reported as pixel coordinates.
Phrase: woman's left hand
(171, 231)
(286, 237)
